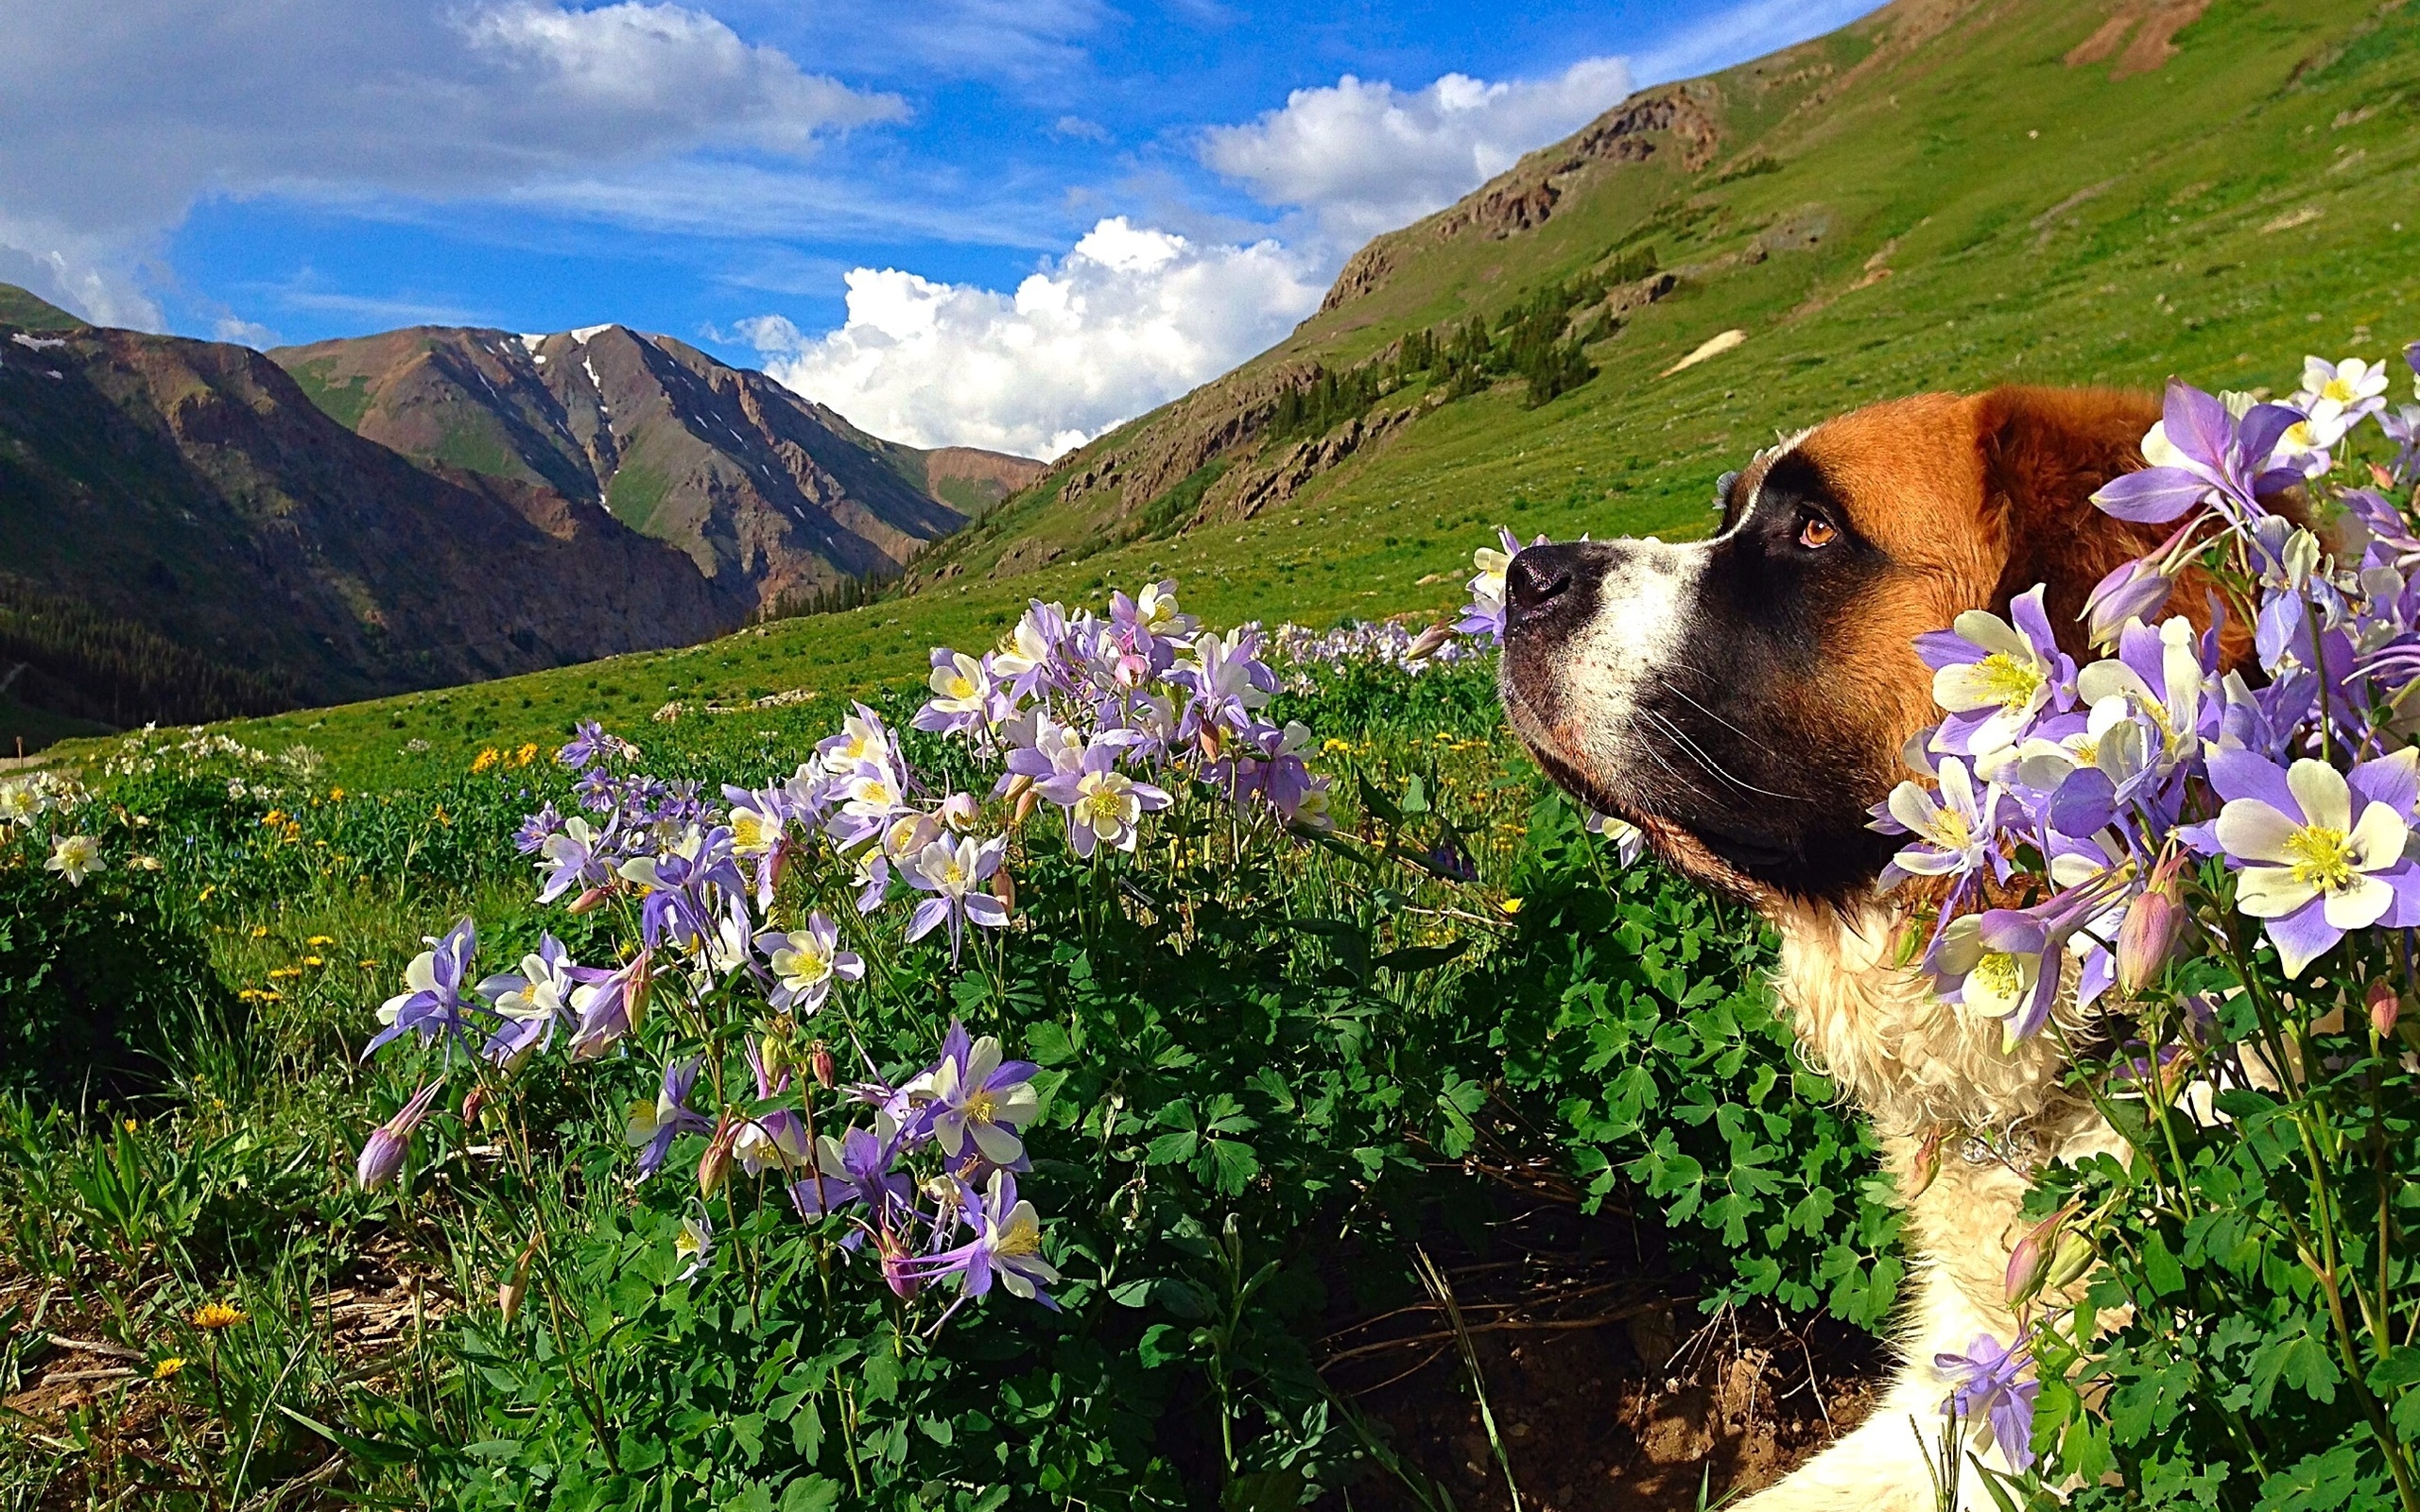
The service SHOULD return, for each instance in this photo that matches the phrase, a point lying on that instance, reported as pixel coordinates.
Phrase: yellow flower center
(2000, 974)
(1020, 1235)
(982, 1108)
(1950, 831)
(2010, 683)
(962, 687)
(2323, 858)
(2339, 389)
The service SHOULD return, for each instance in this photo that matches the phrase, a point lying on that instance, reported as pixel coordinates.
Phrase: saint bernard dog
(1745, 699)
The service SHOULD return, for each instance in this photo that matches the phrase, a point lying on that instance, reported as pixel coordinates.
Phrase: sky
(1002, 223)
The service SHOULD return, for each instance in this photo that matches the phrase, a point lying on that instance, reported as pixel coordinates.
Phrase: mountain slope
(1942, 196)
(773, 496)
(189, 489)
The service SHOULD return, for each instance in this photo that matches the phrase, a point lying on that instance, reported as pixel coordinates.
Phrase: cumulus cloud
(1367, 157)
(118, 122)
(1130, 319)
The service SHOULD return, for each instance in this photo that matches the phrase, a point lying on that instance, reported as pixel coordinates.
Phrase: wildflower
(19, 803)
(652, 1127)
(589, 744)
(804, 961)
(1484, 615)
(961, 693)
(2163, 676)
(695, 1249)
(211, 1318)
(575, 855)
(1992, 965)
(1985, 1391)
(2133, 591)
(609, 1005)
(531, 1000)
(951, 873)
(1024, 657)
(775, 1140)
(2339, 395)
(855, 1169)
(2309, 865)
(1994, 677)
(432, 1006)
(167, 1368)
(981, 1097)
(75, 857)
(1006, 1246)
(2199, 453)
(2153, 923)
(382, 1154)
(1629, 840)
(1103, 804)
(1511, 907)
(1954, 826)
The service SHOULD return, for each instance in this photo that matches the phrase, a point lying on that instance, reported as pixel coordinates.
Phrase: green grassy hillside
(1940, 197)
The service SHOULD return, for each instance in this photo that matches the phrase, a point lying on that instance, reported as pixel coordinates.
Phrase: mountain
(1944, 193)
(773, 496)
(157, 493)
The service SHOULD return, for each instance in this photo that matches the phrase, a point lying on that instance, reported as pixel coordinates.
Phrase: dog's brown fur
(1972, 500)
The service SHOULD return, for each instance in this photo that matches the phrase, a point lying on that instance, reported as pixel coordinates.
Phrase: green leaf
(811, 1493)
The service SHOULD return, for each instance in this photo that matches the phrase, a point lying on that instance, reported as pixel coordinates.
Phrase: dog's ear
(2046, 451)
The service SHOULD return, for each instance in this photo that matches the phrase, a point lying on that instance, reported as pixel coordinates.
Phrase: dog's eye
(1816, 533)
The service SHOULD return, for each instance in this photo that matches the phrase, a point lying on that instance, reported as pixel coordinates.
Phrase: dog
(1745, 700)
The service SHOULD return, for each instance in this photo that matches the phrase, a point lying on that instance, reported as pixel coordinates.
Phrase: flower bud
(959, 812)
(1004, 887)
(475, 1102)
(591, 899)
(2148, 937)
(2027, 1268)
(642, 979)
(382, 1154)
(1025, 805)
(818, 1061)
(898, 1272)
(516, 1283)
(1927, 1166)
(2134, 592)
(1429, 642)
(2384, 1003)
(714, 1164)
(2069, 1261)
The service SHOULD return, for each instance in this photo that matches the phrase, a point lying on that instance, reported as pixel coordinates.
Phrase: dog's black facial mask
(1688, 687)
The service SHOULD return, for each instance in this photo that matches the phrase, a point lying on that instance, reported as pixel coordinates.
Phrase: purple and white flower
(805, 961)
(1987, 1393)
(2310, 866)
(652, 1127)
(954, 871)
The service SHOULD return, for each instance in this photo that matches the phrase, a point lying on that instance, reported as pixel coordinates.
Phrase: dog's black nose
(1538, 578)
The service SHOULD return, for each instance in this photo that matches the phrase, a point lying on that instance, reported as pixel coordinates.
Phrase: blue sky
(1007, 222)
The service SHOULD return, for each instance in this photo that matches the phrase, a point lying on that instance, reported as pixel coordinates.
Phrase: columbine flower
(2134, 592)
(589, 744)
(1484, 615)
(1103, 804)
(2163, 676)
(2306, 864)
(382, 1154)
(1992, 965)
(653, 1126)
(1024, 657)
(609, 1005)
(952, 872)
(75, 857)
(1994, 677)
(432, 1006)
(1629, 840)
(1228, 682)
(862, 739)
(961, 693)
(573, 857)
(1006, 1246)
(855, 1168)
(695, 1249)
(681, 886)
(2337, 396)
(530, 1000)
(1985, 1391)
(775, 1139)
(2200, 453)
(983, 1098)
(804, 961)
(1954, 826)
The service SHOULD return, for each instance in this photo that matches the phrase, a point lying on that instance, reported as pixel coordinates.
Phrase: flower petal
(2252, 829)
(2321, 789)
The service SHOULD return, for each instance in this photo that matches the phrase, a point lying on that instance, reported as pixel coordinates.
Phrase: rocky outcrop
(1267, 485)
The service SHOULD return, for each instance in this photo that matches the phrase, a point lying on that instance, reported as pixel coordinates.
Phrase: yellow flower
(321, 939)
(168, 1367)
(273, 818)
(336, 795)
(1511, 907)
(260, 932)
(369, 966)
(206, 892)
(1332, 747)
(212, 1316)
(130, 1126)
(313, 960)
(484, 759)
(526, 754)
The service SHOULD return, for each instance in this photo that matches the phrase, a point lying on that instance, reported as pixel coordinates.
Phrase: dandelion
(167, 1368)
(211, 1318)
(75, 857)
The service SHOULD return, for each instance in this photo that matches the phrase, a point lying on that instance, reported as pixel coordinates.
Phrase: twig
(116, 1352)
(1444, 1291)
(1505, 1325)
(114, 1372)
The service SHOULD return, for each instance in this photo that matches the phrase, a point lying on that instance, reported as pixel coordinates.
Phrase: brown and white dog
(1745, 698)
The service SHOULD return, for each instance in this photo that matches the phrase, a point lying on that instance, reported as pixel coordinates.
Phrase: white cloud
(1130, 319)
(119, 120)
(1365, 158)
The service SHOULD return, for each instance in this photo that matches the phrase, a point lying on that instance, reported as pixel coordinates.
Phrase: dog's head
(1745, 698)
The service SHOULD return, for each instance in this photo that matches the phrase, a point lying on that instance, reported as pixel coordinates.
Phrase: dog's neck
(1915, 1064)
